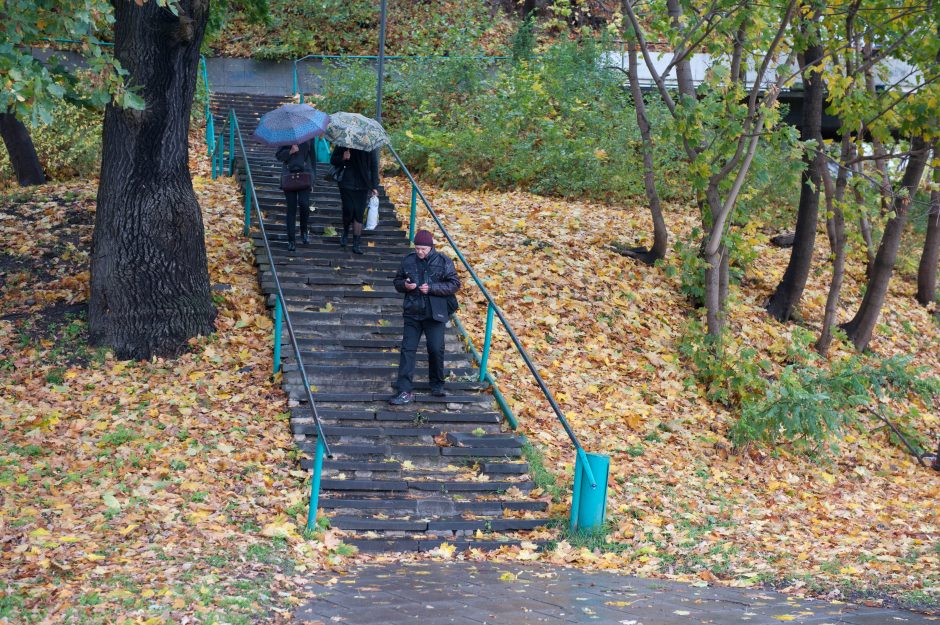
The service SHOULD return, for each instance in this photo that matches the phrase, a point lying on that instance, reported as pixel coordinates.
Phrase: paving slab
(492, 593)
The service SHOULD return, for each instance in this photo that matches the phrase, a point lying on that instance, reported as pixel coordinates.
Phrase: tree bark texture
(149, 275)
(927, 270)
(865, 226)
(683, 68)
(862, 325)
(788, 293)
(835, 228)
(660, 233)
(716, 270)
(22, 152)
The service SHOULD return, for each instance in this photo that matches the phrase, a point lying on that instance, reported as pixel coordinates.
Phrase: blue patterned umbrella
(291, 124)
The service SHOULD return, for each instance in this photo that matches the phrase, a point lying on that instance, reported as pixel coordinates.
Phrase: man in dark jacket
(428, 279)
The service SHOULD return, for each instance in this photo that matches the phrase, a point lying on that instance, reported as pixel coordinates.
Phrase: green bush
(731, 376)
(557, 124)
(810, 405)
(69, 146)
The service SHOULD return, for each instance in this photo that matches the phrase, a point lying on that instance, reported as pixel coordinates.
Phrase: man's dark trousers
(434, 335)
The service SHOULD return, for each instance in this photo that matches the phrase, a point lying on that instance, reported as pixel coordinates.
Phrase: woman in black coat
(359, 182)
(296, 158)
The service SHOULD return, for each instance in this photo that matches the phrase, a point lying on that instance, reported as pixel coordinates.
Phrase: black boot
(290, 246)
(344, 238)
(304, 237)
(356, 248)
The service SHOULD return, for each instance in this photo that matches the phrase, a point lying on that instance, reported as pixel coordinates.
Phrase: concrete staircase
(401, 478)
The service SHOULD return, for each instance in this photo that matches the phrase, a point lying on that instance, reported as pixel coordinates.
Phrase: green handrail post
(231, 142)
(588, 495)
(247, 207)
(486, 341)
(210, 122)
(414, 210)
(221, 151)
(210, 134)
(315, 486)
(278, 314)
(500, 400)
(295, 82)
(213, 158)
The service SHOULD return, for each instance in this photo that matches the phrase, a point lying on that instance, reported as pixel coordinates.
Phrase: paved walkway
(466, 593)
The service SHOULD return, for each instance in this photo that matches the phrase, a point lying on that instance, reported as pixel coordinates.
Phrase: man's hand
(409, 285)
(424, 288)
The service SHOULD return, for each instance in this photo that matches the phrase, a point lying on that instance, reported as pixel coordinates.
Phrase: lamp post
(381, 68)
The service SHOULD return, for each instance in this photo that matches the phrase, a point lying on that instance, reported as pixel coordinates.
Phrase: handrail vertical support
(414, 210)
(486, 341)
(315, 486)
(247, 206)
(295, 82)
(231, 142)
(278, 314)
(210, 133)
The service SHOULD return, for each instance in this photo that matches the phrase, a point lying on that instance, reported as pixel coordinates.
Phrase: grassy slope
(332, 27)
(139, 491)
(166, 489)
(605, 331)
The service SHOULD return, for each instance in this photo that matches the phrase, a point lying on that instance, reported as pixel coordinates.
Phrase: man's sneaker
(402, 398)
(438, 392)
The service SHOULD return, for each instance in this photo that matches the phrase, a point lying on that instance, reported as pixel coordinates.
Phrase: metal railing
(492, 311)
(226, 166)
(297, 82)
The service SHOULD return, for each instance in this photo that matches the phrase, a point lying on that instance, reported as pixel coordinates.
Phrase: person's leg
(358, 218)
(303, 199)
(434, 335)
(347, 203)
(411, 334)
(291, 197)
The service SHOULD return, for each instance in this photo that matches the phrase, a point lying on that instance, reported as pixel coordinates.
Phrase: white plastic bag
(372, 215)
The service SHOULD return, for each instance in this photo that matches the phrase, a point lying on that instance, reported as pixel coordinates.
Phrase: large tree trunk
(660, 233)
(149, 276)
(19, 145)
(861, 326)
(927, 271)
(788, 293)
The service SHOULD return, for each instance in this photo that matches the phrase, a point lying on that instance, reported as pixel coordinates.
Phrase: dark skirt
(354, 204)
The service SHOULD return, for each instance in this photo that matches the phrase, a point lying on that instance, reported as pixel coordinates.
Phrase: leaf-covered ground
(140, 492)
(605, 330)
(168, 491)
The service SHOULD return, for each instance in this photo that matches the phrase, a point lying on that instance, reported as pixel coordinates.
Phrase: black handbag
(296, 181)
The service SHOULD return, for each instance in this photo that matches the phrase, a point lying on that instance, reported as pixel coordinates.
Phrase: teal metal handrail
(280, 309)
(210, 121)
(297, 89)
(492, 310)
(220, 165)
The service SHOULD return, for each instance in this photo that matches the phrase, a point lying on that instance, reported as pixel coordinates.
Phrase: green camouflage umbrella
(352, 130)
